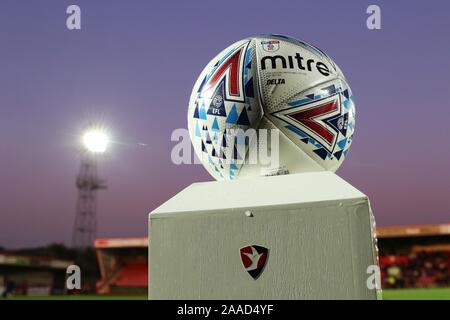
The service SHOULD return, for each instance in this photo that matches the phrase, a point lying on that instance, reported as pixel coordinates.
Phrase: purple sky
(133, 65)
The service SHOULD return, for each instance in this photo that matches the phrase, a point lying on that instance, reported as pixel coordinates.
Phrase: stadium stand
(415, 256)
(123, 265)
(133, 275)
(30, 275)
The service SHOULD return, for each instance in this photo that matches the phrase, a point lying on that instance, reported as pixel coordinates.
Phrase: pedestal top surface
(261, 192)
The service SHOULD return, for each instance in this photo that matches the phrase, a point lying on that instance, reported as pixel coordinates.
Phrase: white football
(271, 105)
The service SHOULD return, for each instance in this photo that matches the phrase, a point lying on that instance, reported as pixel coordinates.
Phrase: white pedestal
(317, 227)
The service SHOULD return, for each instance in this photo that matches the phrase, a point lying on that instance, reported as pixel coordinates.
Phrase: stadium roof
(121, 243)
(11, 259)
(414, 231)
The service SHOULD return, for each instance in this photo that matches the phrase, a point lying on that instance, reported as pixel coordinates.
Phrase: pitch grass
(391, 294)
(77, 297)
(417, 294)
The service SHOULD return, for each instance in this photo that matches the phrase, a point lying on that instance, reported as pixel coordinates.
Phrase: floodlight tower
(94, 144)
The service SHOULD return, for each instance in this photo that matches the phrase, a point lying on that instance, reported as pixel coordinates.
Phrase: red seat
(133, 275)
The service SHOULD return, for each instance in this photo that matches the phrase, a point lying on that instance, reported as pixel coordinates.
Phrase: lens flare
(95, 140)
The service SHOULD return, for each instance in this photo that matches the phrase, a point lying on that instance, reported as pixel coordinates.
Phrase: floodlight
(95, 140)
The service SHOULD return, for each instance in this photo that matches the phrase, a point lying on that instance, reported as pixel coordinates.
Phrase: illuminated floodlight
(95, 140)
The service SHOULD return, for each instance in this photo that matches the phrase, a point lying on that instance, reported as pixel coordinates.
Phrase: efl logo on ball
(270, 45)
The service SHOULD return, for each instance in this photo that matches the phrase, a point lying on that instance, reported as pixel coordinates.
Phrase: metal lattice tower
(87, 182)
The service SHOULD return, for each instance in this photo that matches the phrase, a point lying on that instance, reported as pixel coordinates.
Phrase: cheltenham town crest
(254, 259)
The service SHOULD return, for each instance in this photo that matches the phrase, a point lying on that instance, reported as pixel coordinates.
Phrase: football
(270, 105)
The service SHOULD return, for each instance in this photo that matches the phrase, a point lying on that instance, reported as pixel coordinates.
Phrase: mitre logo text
(288, 62)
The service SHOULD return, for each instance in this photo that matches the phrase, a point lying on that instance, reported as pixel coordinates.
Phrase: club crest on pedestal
(254, 259)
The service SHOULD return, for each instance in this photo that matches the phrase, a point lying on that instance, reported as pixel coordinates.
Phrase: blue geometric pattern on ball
(232, 115)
